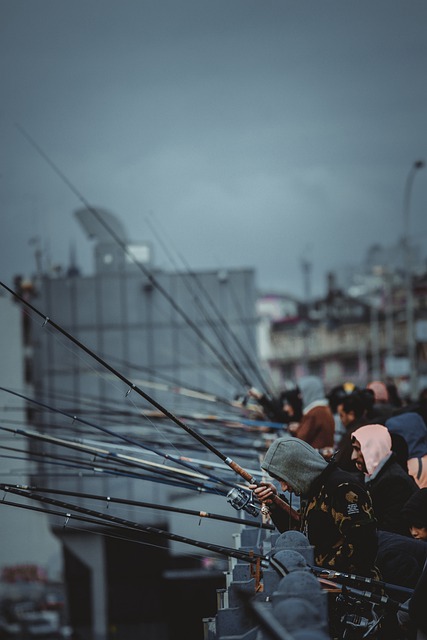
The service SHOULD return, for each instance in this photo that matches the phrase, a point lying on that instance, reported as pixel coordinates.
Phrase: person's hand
(254, 393)
(293, 427)
(264, 491)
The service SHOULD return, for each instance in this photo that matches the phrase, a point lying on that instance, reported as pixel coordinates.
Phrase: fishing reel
(243, 499)
(358, 619)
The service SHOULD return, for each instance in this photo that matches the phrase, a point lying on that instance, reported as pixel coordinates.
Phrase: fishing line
(98, 469)
(261, 371)
(96, 465)
(126, 460)
(226, 326)
(99, 532)
(251, 557)
(172, 385)
(130, 525)
(152, 280)
(202, 309)
(132, 387)
(113, 434)
(47, 324)
(126, 504)
(95, 475)
(99, 373)
(104, 532)
(208, 464)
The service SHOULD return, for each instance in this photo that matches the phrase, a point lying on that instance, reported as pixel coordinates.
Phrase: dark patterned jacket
(338, 519)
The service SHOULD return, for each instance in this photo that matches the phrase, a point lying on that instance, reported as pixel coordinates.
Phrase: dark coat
(417, 604)
(380, 412)
(273, 409)
(414, 511)
(390, 488)
(400, 560)
(338, 519)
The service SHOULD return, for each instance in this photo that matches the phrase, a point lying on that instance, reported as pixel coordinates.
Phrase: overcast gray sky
(251, 133)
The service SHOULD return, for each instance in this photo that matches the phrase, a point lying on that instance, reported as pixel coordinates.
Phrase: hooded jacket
(415, 509)
(381, 409)
(317, 425)
(413, 429)
(375, 444)
(387, 482)
(379, 390)
(312, 391)
(295, 462)
(337, 515)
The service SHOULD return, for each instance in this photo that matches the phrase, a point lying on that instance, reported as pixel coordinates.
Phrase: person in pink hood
(389, 485)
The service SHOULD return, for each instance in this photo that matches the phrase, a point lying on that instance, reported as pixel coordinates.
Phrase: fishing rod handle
(282, 504)
(242, 472)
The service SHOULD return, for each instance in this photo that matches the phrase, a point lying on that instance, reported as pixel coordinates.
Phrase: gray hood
(312, 390)
(295, 462)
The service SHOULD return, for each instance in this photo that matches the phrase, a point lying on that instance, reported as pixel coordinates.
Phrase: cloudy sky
(245, 133)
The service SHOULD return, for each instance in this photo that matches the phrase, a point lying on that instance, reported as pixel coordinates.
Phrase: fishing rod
(148, 505)
(207, 464)
(132, 387)
(239, 310)
(98, 468)
(349, 578)
(128, 524)
(160, 470)
(92, 473)
(69, 461)
(178, 460)
(239, 497)
(243, 447)
(106, 531)
(97, 452)
(167, 384)
(196, 463)
(374, 598)
(151, 279)
(117, 526)
(250, 557)
(371, 596)
(242, 497)
(219, 433)
(219, 315)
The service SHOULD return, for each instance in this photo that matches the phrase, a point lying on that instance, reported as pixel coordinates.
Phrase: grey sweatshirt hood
(295, 462)
(312, 390)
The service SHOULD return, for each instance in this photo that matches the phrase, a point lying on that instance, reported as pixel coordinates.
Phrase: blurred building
(347, 337)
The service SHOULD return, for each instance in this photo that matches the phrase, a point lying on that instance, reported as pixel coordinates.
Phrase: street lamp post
(410, 334)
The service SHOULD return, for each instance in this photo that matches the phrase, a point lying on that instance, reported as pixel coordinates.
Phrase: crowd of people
(357, 460)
